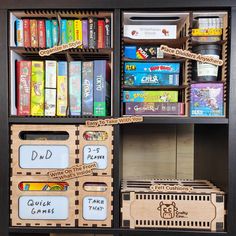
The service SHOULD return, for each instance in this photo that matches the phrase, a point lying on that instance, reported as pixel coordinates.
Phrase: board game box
(37, 88)
(75, 88)
(144, 67)
(101, 88)
(154, 108)
(150, 96)
(87, 88)
(207, 100)
(151, 79)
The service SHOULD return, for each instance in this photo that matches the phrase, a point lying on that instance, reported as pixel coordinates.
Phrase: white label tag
(96, 154)
(44, 156)
(205, 69)
(94, 208)
(43, 207)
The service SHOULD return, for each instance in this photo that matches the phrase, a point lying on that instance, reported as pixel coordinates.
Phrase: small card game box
(207, 100)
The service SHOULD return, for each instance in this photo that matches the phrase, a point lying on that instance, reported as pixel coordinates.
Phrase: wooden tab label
(43, 156)
(171, 188)
(95, 153)
(43, 208)
(94, 208)
(73, 172)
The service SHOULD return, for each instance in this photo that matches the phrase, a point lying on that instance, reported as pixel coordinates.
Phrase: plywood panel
(149, 151)
(163, 151)
(185, 151)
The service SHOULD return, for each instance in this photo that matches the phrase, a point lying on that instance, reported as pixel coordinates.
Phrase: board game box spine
(107, 32)
(63, 31)
(42, 33)
(78, 31)
(101, 88)
(34, 33)
(151, 79)
(154, 108)
(87, 88)
(85, 33)
(101, 34)
(50, 74)
(91, 41)
(54, 32)
(95, 32)
(151, 67)
(75, 88)
(150, 96)
(70, 31)
(62, 90)
(19, 33)
(26, 32)
(50, 101)
(37, 88)
(48, 33)
(23, 87)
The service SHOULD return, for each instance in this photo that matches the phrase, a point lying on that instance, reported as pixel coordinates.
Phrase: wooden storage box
(42, 206)
(96, 145)
(180, 204)
(95, 201)
(37, 149)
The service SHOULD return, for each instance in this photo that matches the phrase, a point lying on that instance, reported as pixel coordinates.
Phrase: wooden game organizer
(143, 208)
(17, 142)
(108, 143)
(99, 185)
(16, 194)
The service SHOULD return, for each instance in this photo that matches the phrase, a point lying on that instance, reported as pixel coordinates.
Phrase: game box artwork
(207, 100)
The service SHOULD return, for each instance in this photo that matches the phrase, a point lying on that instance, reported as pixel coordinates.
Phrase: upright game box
(19, 33)
(62, 88)
(150, 96)
(23, 87)
(87, 88)
(101, 88)
(75, 88)
(207, 100)
(37, 88)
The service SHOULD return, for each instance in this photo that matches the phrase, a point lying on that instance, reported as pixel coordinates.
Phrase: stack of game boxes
(59, 88)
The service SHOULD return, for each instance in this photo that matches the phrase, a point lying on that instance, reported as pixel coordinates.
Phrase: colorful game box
(62, 88)
(37, 88)
(85, 33)
(75, 88)
(151, 79)
(54, 32)
(48, 24)
(19, 33)
(70, 31)
(150, 96)
(142, 52)
(101, 88)
(87, 88)
(154, 108)
(34, 33)
(146, 67)
(23, 87)
(78, 31)
(63, 33)
(207, 100)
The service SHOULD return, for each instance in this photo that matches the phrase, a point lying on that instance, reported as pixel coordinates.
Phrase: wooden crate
(42, 208)
(99, 151)
(180, 204)
(95, 201)
(25, 160)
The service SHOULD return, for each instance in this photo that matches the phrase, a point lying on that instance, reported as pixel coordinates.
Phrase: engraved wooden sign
(73, 172)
